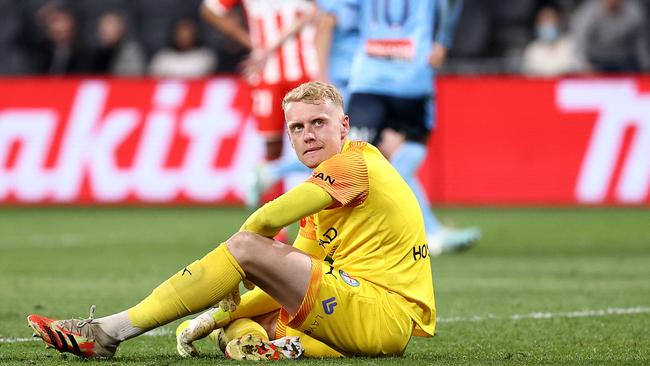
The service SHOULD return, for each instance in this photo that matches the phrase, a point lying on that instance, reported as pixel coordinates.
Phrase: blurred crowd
(167, 38)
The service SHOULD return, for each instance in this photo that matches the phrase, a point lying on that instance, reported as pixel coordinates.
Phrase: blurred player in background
(336, 41)
(369, 301)
(391, 86)
(281, 42)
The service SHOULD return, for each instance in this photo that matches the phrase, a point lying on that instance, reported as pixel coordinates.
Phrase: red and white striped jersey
(296, 59)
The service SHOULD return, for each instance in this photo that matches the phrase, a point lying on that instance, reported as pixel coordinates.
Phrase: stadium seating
(489, 38)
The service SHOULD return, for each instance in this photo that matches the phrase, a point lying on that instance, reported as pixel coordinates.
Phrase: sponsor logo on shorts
(349, 279)
(314, 325)
(329, 304)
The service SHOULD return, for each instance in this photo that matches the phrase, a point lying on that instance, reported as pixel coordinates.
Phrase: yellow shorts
(351, 315)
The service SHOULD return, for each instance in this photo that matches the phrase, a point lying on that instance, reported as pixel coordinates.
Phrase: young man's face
(317, 131)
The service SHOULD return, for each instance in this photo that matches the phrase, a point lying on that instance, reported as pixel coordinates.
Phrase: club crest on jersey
(349, 279)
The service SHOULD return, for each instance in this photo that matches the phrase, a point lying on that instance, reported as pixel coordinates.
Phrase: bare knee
(246, 247)
(240, 243)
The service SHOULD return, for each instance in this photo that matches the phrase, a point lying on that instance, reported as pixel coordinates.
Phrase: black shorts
(372, 113)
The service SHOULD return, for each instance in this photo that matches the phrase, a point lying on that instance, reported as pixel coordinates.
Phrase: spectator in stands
(551, 53)
(610, 36)
(185, 57)
(114, 52)
(61, 51)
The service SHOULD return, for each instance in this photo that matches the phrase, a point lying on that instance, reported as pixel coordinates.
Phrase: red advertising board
(125, 141)
(499, 141)
(534, 141)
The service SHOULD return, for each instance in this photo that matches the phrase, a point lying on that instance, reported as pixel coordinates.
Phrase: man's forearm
(296, 27)
(227, 26)
(324, 31)
(299, 202)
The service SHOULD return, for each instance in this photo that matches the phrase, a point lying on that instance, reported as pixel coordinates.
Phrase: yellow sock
(242, 327)
(313, 347)
(237, 329)
(194, 288)
(253, 303)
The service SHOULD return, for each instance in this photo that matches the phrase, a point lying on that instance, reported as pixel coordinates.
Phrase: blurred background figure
(392, 93)
(491, 37)
(185, 57)
(13, 59)
(336, 41)
(611, 36)
(551, 53)
(282, 56)
(337, 38)
(60, 51)
(114, 51)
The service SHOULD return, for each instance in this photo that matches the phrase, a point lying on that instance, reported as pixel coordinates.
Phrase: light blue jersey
(344, 40)
(396, 41)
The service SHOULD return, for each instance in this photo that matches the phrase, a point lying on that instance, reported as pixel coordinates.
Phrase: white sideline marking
(152, 333)
(476, 318)
(546, 315)
(18, 340)
(158, 332)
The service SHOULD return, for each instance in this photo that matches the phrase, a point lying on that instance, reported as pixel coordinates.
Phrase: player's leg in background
(270, 121)
(367, 116)
(281, 170)
(287, 169)
(267, 102)
(407, 157)
(406, 150)
(267, 109)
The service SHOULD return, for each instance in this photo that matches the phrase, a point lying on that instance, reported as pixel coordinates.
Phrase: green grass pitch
(553, 286)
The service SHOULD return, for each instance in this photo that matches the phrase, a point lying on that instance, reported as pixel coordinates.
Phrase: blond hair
(314, 92)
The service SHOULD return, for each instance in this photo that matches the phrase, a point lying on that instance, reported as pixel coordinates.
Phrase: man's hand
(437, 56)
(197, 328)
(254, 64)
(230, 302)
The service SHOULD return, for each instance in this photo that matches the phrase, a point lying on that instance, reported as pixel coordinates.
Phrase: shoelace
(90, 318)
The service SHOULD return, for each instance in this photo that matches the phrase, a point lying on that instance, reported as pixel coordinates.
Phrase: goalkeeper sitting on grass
(375, 295)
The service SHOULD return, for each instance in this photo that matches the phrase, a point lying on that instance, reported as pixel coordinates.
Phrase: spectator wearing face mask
(551, 53)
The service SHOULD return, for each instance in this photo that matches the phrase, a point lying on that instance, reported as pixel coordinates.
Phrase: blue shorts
(372, 113)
